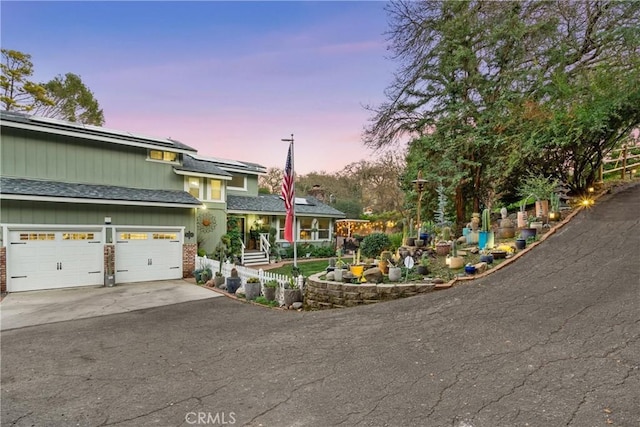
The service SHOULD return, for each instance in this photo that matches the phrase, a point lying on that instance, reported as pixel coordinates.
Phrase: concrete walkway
(22, 309)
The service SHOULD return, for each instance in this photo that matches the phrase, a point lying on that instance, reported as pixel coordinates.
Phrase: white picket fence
(246, 272)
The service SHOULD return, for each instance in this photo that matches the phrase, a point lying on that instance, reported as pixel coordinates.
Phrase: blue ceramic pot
(486, 258)
(469, 269)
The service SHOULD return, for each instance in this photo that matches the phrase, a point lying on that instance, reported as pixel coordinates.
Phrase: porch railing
(265, 246)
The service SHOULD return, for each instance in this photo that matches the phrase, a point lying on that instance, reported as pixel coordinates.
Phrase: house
(80, 202)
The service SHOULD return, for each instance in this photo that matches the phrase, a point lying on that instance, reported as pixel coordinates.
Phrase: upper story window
(215, 190)
(194, 187)
(238, 182)
(163, 156)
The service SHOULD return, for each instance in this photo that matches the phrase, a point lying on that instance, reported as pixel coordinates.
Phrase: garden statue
(506, 229)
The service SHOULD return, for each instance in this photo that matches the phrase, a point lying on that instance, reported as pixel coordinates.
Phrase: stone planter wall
(322, 294)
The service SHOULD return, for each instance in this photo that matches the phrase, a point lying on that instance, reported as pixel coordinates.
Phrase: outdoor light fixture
(586, 202)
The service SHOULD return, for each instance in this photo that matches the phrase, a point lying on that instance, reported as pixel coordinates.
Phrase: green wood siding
(209, 240)
(37, 155)
(29, 212)
(252, 188)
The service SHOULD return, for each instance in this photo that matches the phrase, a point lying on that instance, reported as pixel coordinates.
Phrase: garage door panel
(143, 255)
(53, 259)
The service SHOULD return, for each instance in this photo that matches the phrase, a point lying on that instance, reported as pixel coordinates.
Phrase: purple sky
(230, 79)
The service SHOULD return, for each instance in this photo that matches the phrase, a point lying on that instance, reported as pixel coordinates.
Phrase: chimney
(317, 192)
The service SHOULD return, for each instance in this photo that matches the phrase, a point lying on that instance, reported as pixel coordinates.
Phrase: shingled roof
(80, 130)
(274, 204)
(229, 165)
(190, 164)
(67, 190)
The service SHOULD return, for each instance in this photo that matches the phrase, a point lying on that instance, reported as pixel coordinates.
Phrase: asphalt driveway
(20, 309)
(552, 339)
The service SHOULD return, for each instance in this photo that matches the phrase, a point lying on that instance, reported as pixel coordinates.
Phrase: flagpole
(293, 203)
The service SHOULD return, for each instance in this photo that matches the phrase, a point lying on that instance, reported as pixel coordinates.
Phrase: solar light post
(419, 182)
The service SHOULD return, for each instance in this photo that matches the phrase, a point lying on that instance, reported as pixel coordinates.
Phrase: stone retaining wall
(322, 294)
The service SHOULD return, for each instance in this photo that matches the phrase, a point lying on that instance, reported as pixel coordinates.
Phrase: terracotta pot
(542, 208)
(383, 265)
(522, 219)
(443, 248)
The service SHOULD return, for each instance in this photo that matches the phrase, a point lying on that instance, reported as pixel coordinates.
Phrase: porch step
(255, 258)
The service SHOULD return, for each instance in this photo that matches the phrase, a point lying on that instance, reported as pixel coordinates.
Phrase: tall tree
(469, 73)
(19, 93)
(271, 182)
(65, 98)
(72, 101)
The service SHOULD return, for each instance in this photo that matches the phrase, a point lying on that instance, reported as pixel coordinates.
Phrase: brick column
(189, 251)
(3, 269)
(109, 258)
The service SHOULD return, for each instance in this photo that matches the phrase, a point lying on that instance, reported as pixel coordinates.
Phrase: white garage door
(143, 255)
(50, 259)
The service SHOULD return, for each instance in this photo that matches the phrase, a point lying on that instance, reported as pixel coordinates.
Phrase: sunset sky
(230, 79)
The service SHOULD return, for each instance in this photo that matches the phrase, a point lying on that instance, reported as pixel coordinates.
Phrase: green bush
(396, 241)
(307, 248)
(375, 243)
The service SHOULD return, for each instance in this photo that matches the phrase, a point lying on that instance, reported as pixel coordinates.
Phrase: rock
(210, 284)
(223, 287)
(331, 276)
(481, 267)
(474, 250)
(462, 240)
(437, 281)
(240, 292)
(373, 275)
(296, 305)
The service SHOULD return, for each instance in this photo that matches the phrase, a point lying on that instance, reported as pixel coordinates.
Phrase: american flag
(288, 196)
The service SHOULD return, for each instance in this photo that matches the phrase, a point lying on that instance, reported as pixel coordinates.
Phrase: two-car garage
(40, 257)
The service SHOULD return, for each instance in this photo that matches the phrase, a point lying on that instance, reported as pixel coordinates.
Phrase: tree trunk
(459, 209)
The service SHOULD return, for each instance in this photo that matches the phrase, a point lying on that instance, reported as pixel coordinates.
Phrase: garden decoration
(506, 229)
(485, 237)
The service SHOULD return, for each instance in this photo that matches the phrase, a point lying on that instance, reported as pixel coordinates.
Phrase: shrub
(396, 241)
(374, 243)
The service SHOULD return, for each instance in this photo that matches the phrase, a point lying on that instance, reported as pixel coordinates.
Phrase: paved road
(552, 340)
